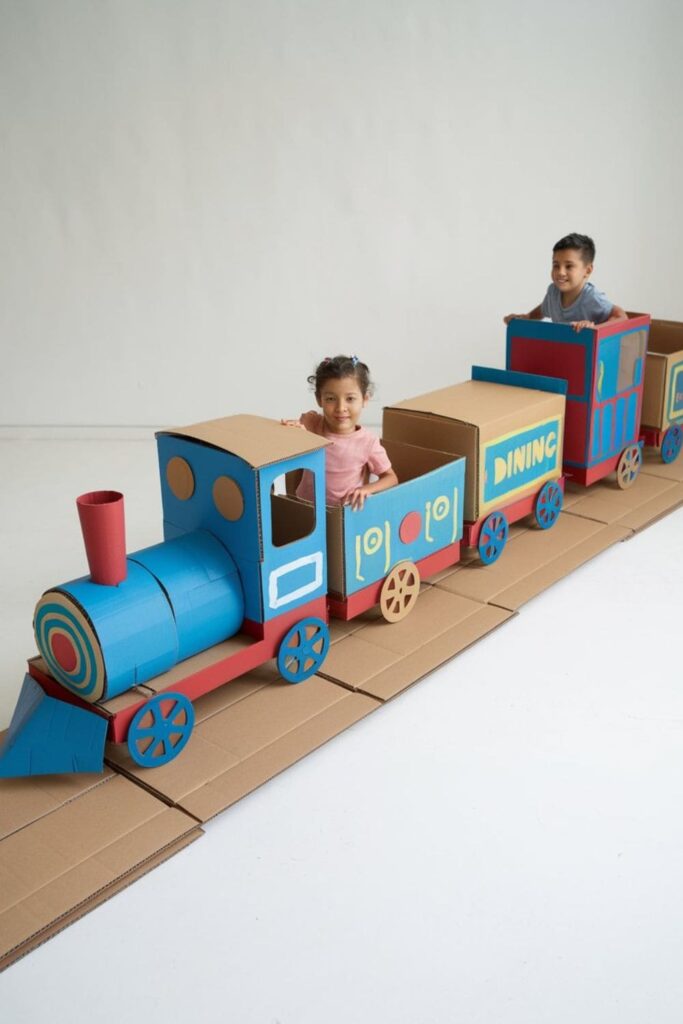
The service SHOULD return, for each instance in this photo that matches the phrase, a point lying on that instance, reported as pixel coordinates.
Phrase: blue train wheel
(548, 504)
(160, 729)
(303, 650)
(672, 443)
(493, 537)
(628, 466)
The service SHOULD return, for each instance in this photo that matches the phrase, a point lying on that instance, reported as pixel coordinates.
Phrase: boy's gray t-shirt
(590, 304)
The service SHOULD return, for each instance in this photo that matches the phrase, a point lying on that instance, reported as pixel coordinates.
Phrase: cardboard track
(68, 843)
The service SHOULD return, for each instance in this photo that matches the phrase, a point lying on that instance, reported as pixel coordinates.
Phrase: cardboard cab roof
(479, 403)
(257, 440)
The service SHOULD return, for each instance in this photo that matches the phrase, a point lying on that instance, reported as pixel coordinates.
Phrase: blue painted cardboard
(520, 460)
(240, 537)
(553, 385)
(295, 573)
(48, 737)
(617, 393)
(273, 579)
(202, 584)
(372, 542)
(134, 624)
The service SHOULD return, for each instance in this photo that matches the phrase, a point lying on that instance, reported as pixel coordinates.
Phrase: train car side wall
(663, 394)
(419, 517)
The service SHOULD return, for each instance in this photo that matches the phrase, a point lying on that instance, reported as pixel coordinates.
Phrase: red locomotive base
(245, 654)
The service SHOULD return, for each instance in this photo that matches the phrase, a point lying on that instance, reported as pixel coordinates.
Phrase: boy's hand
(356, 497)
(292, 423)
(515, 316)
(579, 325)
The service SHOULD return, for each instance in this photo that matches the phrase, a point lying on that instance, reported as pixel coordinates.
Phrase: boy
(572, 298)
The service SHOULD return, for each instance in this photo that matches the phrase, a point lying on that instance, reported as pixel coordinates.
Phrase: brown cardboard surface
(382, 659)
(67, 860)
(102, 896)
(23, 801)
(532, 561)
(653, 466)
(656, 371)
(252, 730)
(462, 418)
(647, 500)
(665, 349)
(257, 440)
(494, 406)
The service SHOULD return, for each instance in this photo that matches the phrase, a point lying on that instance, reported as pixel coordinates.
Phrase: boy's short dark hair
(584, 245)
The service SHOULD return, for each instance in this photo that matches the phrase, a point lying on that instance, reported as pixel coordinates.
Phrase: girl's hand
(515, 316)
(579, 325)
(292, 423)
(356, 497)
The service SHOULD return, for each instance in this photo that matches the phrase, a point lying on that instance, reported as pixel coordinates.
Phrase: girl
(342, 388)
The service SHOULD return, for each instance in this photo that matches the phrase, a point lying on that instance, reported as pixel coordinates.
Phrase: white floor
(503, 843)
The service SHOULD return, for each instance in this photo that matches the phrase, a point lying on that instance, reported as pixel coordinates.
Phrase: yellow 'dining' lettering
(526, 456)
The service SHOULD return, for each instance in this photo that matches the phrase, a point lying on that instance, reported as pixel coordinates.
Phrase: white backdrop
(200, 200)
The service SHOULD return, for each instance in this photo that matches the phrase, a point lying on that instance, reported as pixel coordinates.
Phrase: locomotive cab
(228, 476)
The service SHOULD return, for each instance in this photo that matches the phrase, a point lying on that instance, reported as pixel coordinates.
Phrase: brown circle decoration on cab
(180, 478)
(228, 498)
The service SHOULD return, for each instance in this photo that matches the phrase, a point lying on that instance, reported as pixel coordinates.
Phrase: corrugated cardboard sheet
(532, 561)
(382, 659)
(245, 733)
(650, 497)
(69, 843)
(653, 466)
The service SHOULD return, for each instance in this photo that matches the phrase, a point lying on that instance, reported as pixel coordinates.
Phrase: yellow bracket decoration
(370, 543)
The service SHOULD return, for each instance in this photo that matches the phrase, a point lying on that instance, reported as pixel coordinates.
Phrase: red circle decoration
(64, 651)
(410, 528)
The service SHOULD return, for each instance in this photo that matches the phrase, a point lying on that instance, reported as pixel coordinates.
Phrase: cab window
(292, 518)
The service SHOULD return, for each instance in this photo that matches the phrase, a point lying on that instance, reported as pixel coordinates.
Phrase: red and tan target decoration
(69, 645)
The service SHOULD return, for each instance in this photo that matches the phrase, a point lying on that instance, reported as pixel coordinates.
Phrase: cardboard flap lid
(473, 401)
(257, 440)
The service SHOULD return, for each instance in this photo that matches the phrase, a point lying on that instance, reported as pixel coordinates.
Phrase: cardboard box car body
(663, 393)
(511, 434)
(420, 518)
(603, 367)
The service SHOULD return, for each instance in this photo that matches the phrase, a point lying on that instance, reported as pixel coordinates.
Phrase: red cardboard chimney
(104, 535)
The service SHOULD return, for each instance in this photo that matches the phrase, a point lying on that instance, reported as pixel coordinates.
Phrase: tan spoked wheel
(629, 465)
(399, 591)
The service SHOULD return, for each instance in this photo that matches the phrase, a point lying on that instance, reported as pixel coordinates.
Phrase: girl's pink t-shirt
(349, 460)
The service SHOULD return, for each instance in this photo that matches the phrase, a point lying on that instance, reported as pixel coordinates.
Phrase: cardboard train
(248, 572)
